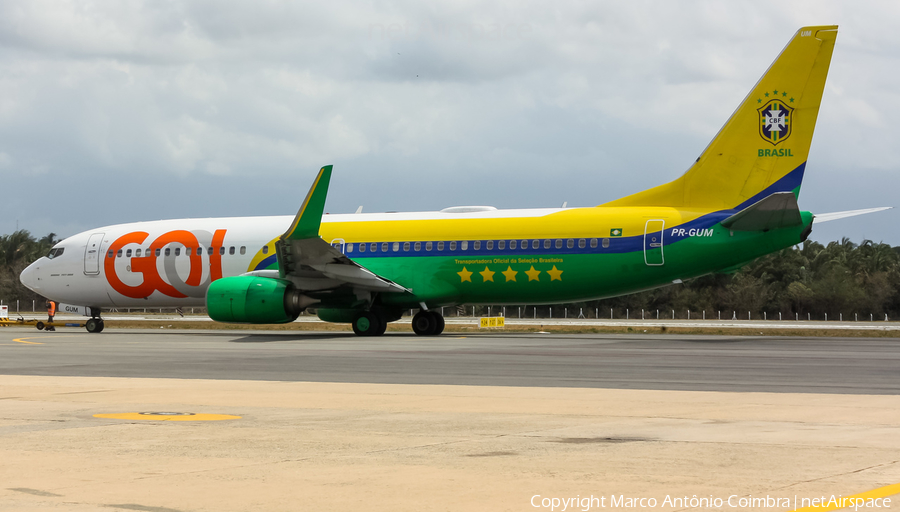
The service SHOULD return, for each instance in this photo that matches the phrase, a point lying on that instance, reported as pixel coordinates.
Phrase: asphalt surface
(653, 362)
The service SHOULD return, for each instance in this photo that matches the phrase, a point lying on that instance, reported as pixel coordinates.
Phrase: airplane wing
(825, 217)
(311, 263)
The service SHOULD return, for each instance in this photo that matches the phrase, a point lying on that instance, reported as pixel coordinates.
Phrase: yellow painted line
(853, 501)
(23, 340)
(167, 416)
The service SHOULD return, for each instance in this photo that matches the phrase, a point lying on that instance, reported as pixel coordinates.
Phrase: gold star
(487, 275)
(555, 275)
(533, 274)
(510, 274)
(465, 275)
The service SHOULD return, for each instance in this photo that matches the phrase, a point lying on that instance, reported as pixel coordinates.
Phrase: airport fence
(558, 312)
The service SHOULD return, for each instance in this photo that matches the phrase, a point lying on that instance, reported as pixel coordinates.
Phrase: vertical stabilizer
(763, 147)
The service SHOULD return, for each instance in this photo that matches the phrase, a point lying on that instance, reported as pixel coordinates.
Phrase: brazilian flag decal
(615, 232)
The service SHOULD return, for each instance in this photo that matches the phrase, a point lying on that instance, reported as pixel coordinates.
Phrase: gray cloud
(144, 110)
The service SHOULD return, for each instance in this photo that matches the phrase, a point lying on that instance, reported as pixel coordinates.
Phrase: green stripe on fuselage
(545, 279)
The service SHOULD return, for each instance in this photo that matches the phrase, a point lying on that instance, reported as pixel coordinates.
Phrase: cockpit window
(56, 251)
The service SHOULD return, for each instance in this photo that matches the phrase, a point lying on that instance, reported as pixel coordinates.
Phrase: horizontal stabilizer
(778, 210)
(825, 217)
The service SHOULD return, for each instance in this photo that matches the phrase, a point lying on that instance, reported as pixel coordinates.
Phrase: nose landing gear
(94, 325)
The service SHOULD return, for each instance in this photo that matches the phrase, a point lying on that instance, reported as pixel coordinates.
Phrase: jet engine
(255, 300)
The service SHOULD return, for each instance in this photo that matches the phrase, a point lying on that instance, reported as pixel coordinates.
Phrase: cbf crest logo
(776, 119)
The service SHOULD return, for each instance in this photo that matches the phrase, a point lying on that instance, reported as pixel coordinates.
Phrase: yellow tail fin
(763, 147)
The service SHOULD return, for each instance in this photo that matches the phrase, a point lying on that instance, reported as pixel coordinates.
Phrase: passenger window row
(490, 245)
(168, 251)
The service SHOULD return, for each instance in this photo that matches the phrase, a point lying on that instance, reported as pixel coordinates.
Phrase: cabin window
(384, 247)
(440, 246)
(128, 253)
(605, 243)
(108, 255)
(362, 247)
(405, 246)
(119, 253)
(222, 251)
(157, 252)
(429, 246)
(178, 251)
(558, 243)
(464, 245)
(490, 245)
(168, 251)
(536, 244)
(570, 243)
(418, 246)
(265, 249)
(512, 244)
(396, 246)
(199, 251)
(452, 246)
(349, 247)
(243, 249)
(231, 250)
(593, 243)
(546, 244)
(137, 253)
(209, 251)
(581, 243)
(476, 245)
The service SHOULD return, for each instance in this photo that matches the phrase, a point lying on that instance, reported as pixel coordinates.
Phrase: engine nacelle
(254, 300)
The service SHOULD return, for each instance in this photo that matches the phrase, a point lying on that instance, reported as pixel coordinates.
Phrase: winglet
(306, 223)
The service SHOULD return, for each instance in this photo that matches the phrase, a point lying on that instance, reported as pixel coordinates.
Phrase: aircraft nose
(27, 277)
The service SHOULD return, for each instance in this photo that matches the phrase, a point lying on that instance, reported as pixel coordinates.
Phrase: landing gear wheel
(367, 323)
(40, 326)
(382, 325)
(424, 323)
(94, 325)
(438, 323)
(101, 324)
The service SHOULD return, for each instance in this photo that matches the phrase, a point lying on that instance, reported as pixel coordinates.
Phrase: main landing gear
(369, 323)
(428, 323)
(374, 323)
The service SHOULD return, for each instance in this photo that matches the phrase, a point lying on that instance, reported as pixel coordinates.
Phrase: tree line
(17, 251)
(837, 278)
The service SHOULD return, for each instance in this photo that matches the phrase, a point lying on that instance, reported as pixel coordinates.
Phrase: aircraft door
(92, 254)
(653, 242)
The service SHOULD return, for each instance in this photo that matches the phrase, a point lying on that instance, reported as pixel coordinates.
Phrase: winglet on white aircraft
(825, 217)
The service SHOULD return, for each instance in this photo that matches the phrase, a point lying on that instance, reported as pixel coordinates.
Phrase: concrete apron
(323, 446)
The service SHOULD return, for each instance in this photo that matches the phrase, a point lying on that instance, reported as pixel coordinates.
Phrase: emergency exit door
(653, 242)
(92, 254)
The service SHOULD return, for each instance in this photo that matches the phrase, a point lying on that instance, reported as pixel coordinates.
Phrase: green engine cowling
(254, 300)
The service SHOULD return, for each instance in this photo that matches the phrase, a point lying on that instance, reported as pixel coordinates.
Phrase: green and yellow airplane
(736, 202)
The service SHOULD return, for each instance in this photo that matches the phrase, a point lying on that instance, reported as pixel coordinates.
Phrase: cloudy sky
(122, 111)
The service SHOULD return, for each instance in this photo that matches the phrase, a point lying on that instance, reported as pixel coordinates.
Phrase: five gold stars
(487, 275)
